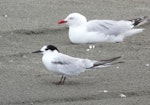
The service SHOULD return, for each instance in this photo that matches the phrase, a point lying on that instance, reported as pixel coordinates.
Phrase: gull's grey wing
(109, 27)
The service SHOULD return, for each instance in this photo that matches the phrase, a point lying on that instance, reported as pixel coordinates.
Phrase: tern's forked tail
(105, 63)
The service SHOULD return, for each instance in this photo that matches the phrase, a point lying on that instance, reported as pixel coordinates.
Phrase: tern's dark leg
(61, 81)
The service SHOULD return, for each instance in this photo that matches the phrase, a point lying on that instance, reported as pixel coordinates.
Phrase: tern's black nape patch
(52, 48)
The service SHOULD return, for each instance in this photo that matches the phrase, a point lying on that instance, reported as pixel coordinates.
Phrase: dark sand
(27, 25)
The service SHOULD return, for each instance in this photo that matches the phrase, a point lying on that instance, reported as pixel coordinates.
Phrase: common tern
(83, 31)
(66, 65)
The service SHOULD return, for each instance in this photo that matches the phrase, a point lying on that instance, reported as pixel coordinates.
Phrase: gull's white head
(74, 19)
(45, 49)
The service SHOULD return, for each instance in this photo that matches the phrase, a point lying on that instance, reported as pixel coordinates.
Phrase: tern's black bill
(37, 51)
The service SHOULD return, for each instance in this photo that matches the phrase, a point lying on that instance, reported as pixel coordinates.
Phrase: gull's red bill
(61, 21)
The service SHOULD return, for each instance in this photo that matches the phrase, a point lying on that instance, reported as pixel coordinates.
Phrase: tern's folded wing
(70, 65)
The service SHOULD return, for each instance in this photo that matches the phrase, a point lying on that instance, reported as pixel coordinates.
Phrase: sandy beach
(27, 25)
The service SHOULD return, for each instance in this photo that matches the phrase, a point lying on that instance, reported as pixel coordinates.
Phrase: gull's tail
(140, 21)
(105, 63)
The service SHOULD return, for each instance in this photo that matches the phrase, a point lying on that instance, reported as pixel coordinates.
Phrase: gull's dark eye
(71, 18)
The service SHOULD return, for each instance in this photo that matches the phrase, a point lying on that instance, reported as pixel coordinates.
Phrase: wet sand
(27, 25)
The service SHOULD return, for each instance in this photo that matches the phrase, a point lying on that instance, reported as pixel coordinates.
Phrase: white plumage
(83, 31)
(68, 66)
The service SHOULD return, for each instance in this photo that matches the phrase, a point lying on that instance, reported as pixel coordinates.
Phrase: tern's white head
(48, 48)
(74, 19)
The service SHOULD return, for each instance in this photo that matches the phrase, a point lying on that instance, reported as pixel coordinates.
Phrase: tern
(83, 31)
(66, 65)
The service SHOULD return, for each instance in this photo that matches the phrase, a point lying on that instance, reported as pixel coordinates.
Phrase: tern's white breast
(48, 62)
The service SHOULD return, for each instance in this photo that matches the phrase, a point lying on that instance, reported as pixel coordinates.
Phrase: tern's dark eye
(46, 49)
